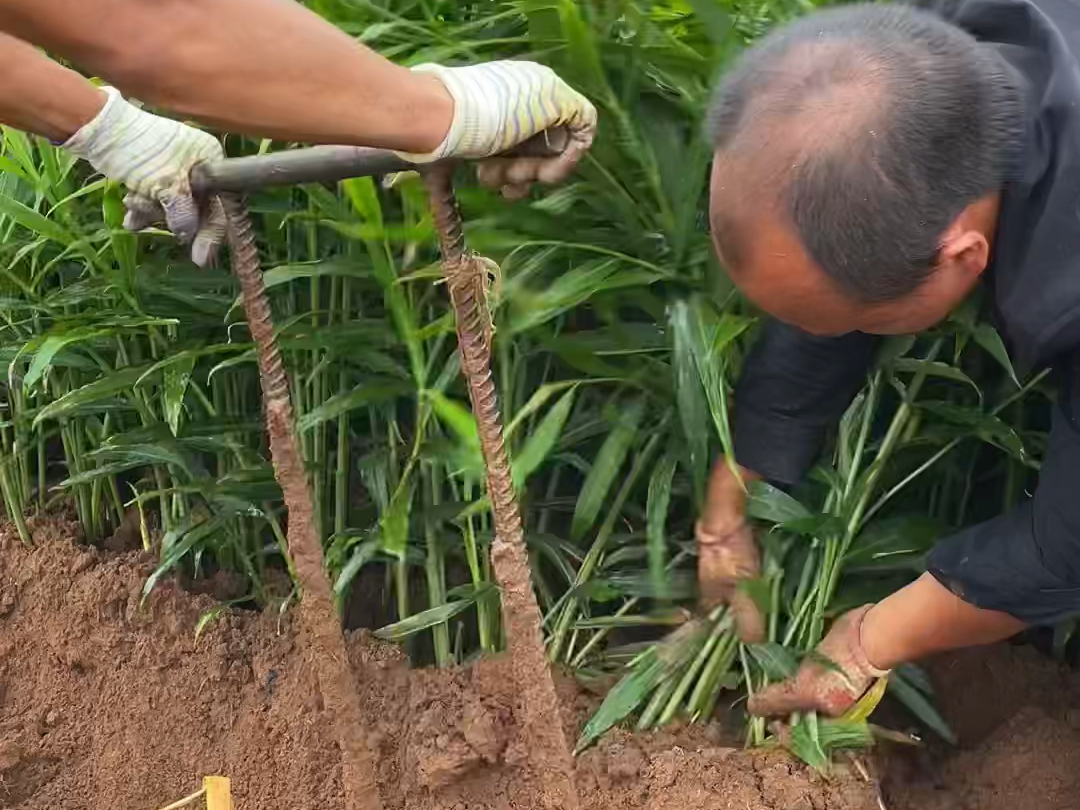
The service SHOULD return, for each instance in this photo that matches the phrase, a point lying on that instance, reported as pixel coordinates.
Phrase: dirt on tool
(106, 704)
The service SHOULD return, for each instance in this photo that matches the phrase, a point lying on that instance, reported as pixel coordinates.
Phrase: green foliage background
(132, 381)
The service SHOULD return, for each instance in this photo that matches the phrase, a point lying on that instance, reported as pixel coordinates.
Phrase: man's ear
(965, 255)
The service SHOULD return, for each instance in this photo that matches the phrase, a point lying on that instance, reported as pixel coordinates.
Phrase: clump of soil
(1017, 715)
(106, 704)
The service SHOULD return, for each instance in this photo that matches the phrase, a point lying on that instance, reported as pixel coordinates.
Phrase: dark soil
(106, 705)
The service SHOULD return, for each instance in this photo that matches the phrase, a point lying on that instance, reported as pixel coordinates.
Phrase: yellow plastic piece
(184, 802)
(216, 789)
(218, 793)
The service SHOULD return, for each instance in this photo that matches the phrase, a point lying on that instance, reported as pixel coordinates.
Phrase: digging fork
(466, 276)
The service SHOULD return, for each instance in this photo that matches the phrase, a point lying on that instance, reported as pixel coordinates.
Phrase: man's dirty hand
(725, 562)
(499, 105)
(153, 156)
(728, 557)
(830, 681)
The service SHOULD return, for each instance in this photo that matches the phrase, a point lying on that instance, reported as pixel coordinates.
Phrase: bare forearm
(40, 96)
(925, 618)
(261, 67)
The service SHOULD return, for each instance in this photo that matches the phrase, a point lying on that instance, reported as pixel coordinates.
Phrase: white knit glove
(152, 156)
(498, 105)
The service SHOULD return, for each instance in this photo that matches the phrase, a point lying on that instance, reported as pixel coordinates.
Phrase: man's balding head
(866, 131)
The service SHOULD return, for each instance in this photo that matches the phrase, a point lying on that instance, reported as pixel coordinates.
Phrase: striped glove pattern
(152, 156)
(498, 105)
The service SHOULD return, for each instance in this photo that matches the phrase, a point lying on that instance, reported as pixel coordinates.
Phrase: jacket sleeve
(794, 387)
(1027, 561)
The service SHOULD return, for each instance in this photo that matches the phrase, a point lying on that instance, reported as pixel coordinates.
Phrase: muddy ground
(104, 705)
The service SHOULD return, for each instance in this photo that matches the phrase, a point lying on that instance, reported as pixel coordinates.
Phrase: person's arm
(269, 68)
(39, 96)
(148, 153)
(982, 585)
(225, 72)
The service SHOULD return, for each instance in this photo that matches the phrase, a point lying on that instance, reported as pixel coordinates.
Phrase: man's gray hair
(874, 126)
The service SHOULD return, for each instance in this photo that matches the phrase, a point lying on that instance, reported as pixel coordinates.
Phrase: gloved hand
(817, 687)
(152, 156)
(728, 553)
(499, 105)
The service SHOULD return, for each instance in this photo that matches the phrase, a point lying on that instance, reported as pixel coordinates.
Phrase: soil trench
(106, 705)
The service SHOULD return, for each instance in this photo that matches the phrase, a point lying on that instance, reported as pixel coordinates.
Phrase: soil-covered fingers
(727, 562)
(182, 213)
(831, 680)
(203, 227)
(211, 234)
(198, 223)
(142, 212)
(781, 699)
(750, 621)
(515, 176)
(560, 167)
(512, 177)
(814, 688)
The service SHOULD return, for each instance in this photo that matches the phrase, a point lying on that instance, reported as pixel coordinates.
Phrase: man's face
(775, 273)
